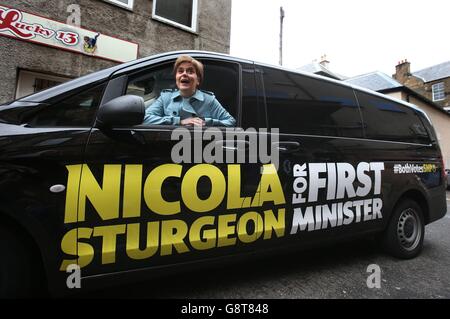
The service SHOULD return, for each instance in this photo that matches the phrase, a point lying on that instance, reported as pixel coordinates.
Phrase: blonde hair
(198, 66)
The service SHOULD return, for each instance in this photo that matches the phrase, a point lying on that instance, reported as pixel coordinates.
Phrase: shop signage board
(25, 26)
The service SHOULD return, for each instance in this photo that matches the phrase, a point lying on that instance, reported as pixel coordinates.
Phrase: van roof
(349, 85)
(103, 75)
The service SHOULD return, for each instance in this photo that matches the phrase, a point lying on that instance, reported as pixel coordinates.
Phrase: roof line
(418, 76)
(433, 66)
(361, 75)
(388, 78)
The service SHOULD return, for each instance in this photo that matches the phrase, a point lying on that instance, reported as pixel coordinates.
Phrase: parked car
(85, 185)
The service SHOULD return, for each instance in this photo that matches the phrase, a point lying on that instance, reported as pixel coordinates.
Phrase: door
(37, 185)
(142, 204)
(330, 187)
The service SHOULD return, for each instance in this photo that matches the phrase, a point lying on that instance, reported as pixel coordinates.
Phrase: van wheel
(404, 235)
(16, 267)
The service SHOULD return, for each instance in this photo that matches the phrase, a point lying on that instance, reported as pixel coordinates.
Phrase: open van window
(149, 83)
(221, 80)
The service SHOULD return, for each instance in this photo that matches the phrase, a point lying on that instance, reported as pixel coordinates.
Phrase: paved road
(332, 272)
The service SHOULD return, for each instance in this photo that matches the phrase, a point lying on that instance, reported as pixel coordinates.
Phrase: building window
(123, 3)
(438, 91)
(32, 82)
(180, 13)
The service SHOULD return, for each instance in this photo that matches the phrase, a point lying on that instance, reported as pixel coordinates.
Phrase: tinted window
(223, 80)
(430, 130)
(76, 111)
(297, 104)
(387, 120)
(253, 113)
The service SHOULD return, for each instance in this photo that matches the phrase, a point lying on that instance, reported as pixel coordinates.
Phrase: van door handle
(233, 145)
(230, 148)
(287, 147)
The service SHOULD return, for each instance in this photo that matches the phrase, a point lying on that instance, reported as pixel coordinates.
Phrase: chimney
(402, 71)
(323, 61)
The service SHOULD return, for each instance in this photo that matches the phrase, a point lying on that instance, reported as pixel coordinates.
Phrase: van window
(253, 113)
(76, 111)
(297, 104)
(220, 78)
(387, 120)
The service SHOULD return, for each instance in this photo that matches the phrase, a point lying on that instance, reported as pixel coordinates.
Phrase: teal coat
(170, 108)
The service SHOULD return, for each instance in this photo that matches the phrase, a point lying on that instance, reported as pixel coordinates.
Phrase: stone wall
(404, 76)
(213, 34)
(428, 91)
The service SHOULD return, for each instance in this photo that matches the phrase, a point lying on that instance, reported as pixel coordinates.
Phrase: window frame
(121, 4)
(125, 81)
(435, 90)
(194, 18)
(378, 133)
(304, 77)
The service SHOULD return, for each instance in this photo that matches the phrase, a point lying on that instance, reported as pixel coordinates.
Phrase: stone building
(432, 82)
(43, 42)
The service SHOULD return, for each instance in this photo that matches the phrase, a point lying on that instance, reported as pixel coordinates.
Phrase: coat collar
(198, 95)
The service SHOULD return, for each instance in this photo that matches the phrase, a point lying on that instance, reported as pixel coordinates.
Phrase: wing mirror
(127, 110)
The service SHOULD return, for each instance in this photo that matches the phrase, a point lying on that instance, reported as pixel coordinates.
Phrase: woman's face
(186, 79)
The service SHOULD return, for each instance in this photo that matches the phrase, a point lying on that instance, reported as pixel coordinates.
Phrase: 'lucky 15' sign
(18, 24)
(12, 20)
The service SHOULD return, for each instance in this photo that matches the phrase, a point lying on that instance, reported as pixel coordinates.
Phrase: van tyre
(16, 266)
(404, 235)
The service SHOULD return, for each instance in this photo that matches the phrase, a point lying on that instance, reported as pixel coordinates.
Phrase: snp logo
(374, 279)
(74, 279)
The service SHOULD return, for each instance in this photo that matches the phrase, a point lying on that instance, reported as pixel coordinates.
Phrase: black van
(84, 183)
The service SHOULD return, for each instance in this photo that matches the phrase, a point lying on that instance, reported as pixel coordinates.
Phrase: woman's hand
(193, 121)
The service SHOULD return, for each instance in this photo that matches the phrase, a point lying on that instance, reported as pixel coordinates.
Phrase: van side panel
(405, 139)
